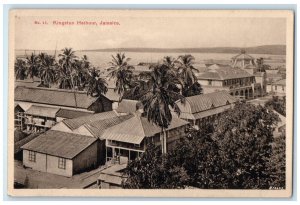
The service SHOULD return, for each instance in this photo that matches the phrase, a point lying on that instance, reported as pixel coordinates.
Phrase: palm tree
(20, 69)
(96, 85)
(261, 66)
(162, 94)
(48, 70)
(33, 64)
(122, 72)
(67, 59)
(186, 69)
(169, 62)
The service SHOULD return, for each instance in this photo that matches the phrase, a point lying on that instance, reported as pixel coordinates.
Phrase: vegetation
(278, 104)
(237, 153)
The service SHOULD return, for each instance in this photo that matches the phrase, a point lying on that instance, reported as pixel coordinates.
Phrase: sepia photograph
(158, 103)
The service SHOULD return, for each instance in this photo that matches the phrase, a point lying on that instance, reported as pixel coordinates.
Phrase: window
(282, 88)
(62, 163)
(275, 87)
(209, 82)
(32, 156)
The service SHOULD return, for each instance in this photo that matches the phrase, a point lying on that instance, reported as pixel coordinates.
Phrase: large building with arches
(241, 79)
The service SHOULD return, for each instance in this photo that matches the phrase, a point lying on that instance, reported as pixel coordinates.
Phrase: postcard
(150, 103)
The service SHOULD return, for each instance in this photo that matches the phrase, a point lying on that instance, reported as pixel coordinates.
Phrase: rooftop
(70, 114)
(77, 122)
(58, 97)
(97, 128)
(136, 128)
(280, 82)
(42, 111)
(60, 144)
(243, 56)
(223, 72)
(129, 106)
(200, 103)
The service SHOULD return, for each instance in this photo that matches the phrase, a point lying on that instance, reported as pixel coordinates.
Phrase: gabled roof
(60, 144)
(70, 114)
(112, 95)
(217, 72)
(135, 129)
(77, 122)
(129, 106)
(58, 97)
(201, 103)
(97, 128)
(42, 111)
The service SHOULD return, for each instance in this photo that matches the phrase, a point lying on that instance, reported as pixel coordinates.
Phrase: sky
(150, 32)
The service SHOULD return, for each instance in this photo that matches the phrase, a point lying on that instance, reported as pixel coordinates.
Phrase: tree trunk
(164, 141)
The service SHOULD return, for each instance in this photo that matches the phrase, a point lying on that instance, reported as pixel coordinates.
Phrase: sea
(102, 59)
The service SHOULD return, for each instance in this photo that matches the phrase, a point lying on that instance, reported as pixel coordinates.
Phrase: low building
(61, 153)
(68, 99)
(203, 109)
(40, 118)
(130, 138)
(62, 104)
(279, 88)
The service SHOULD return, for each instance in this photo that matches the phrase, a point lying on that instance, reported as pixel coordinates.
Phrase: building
(201, 110)
(40, 118)
(61, 98)
(130, 138)
(61, 153)
(243, 61)
(43, 107)
(237, 82)
(278, 88)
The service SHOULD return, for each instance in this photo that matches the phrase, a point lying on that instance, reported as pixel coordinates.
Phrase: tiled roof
(42, 111)
(97, 128)
(128, 106)
(60, 144)
(70, 114)
(135, 129)
(58, 97)
(77, 122)
(200, 103)
(217, 72)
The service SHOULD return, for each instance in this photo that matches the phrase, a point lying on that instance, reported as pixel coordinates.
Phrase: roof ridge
(52, 89)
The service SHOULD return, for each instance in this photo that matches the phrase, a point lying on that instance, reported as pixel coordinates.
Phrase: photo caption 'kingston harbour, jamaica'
(129, 106)
(85, 23)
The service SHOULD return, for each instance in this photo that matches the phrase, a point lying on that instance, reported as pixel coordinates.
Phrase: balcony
(124, 145)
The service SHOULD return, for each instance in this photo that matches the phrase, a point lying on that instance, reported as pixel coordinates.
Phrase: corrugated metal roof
(217, 72)
(57, 97)
(42, 111)
(70, 114)
(129, 106)
(135, 129)
(97, 128)
(60, 144)
(200, 103)
(77, 122)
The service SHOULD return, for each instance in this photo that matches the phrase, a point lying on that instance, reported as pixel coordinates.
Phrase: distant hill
(265, 49)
